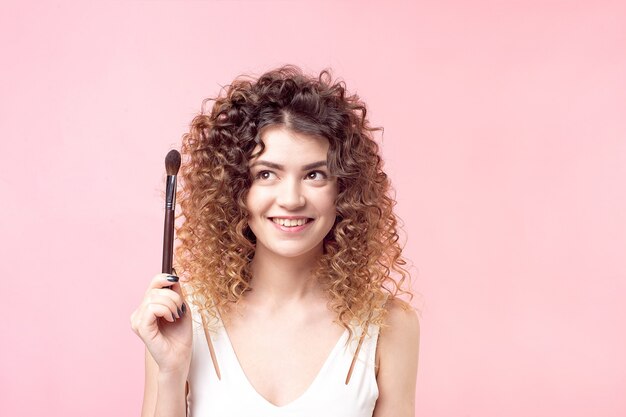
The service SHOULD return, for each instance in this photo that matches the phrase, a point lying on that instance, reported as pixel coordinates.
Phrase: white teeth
(289, 222)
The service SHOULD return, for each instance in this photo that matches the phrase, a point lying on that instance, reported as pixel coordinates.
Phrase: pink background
(505, 137)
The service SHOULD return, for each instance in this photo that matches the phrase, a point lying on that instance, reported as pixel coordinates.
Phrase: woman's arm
(164, 395)
(398, 351)
(150, 386)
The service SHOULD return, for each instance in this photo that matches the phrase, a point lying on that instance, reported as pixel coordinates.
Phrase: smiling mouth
(291, 222)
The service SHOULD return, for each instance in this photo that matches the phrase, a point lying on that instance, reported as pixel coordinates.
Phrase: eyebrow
(281, 167)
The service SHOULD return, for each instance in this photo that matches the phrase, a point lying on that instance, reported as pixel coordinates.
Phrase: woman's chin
(292, 252)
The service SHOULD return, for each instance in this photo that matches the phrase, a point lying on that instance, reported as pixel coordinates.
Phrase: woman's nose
(290, 195)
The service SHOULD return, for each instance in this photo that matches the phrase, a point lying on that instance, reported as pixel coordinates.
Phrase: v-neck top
(328, 395)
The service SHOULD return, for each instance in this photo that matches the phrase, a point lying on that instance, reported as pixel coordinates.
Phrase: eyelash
(323, 174)
(260, 174)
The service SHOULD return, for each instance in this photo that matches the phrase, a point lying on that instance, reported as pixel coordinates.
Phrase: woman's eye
(265, 175)
(316, 175)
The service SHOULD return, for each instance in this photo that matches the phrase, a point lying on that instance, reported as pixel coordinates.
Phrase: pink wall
(505, 138)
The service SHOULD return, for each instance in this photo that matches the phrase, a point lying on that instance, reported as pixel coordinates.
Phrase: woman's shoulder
(401, 323)
(399, 335)
(397, 358)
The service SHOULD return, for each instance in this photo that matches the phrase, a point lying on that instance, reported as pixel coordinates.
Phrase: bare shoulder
(402, 315)
(397, 358)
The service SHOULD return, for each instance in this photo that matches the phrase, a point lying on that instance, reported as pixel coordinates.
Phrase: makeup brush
(172, 164)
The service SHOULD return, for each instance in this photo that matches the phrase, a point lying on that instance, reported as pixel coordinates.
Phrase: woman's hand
(163, 322)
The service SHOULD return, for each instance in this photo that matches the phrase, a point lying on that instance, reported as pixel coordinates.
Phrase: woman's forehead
(290, 146)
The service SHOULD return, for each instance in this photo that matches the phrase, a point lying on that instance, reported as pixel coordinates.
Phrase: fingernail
(179, 312)
(172, 278)
(184, 308)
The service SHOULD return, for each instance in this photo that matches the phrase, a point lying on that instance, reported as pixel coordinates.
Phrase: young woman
(290, 265)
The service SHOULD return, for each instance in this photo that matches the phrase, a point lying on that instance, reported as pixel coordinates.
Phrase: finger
(163, 281)
(168, 292)
(160, 310)
(166, 300)
(144, 319)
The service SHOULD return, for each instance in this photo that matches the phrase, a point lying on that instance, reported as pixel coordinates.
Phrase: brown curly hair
(362, 265)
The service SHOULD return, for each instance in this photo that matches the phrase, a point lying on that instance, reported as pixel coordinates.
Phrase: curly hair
(362, 265)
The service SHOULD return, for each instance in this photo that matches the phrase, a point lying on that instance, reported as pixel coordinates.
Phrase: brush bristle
(172, 162)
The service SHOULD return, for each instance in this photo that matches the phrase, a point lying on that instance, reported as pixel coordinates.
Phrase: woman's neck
(278, 281)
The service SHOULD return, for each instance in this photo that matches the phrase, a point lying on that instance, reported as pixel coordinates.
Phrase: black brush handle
(168, 242)
(168, 229)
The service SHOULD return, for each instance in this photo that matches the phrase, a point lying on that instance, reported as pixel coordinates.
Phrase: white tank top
(327, 396)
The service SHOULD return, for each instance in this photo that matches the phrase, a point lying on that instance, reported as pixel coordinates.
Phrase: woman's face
(291, 201)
